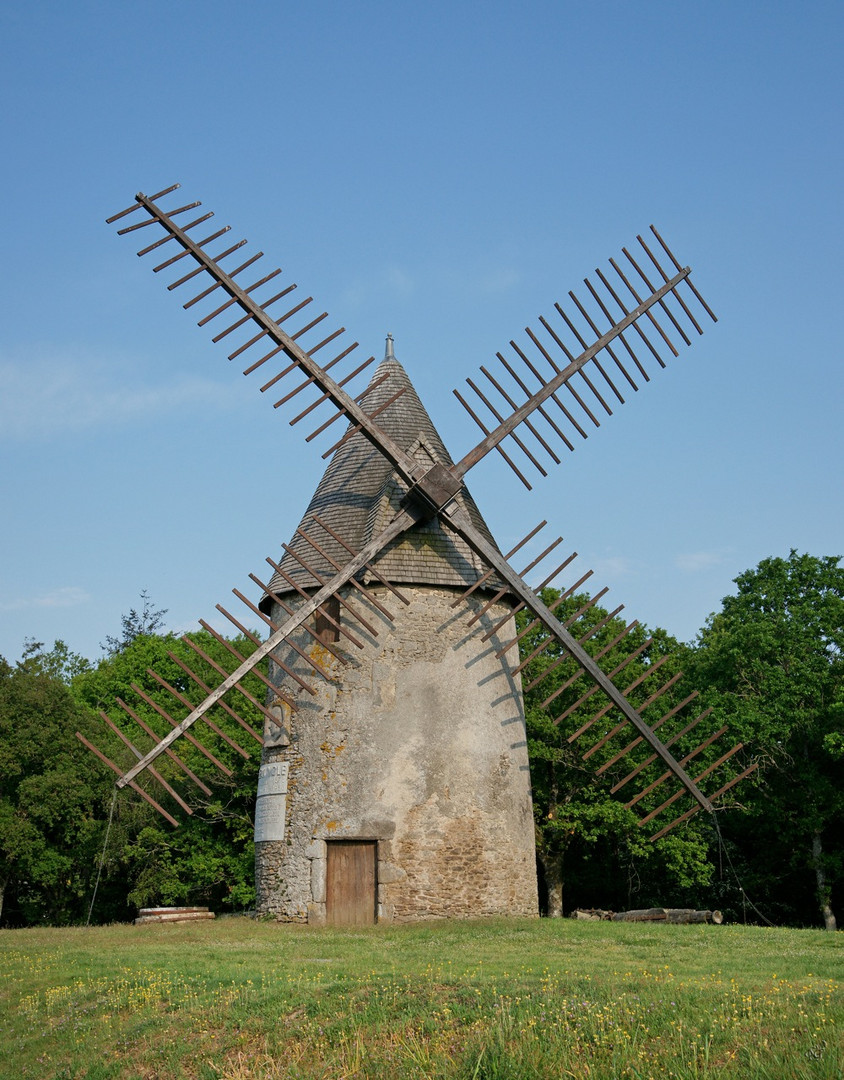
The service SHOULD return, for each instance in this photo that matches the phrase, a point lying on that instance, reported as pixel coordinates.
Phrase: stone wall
(418, 743)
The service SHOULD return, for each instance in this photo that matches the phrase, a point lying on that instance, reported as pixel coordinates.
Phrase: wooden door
(350, 883)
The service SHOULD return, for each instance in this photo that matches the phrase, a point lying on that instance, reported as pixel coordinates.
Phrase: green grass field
(243, 1000)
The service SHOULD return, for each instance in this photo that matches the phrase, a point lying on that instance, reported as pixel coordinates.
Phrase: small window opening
(327, 631)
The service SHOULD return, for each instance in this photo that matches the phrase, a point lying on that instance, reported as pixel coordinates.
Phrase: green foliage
(776, 650)
(209, 858)
(59, 663)
(585, 834)
(773, 661)
(54, 797)
(198, 865)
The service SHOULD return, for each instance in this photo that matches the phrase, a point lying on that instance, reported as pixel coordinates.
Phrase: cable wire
(102, 856)
(722, 849)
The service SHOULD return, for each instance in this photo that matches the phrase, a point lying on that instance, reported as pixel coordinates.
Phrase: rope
(102, 856)
(722, 851)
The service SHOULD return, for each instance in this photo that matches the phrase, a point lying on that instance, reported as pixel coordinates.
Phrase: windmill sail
(255, 327)
(551, 390)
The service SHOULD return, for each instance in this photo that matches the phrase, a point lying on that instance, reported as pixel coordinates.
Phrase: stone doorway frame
(385, 872)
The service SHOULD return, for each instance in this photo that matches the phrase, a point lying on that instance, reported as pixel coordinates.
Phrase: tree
(53, 797)
(59, 663)
(209, 858)
(57, 799)
(583, 832)
(774, 655)
(135, 624)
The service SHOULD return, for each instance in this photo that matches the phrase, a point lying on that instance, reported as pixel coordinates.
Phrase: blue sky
(445, 172)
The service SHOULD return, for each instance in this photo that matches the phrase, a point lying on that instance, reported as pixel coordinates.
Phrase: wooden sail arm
(520, 415)
(459, 521)
(404, 520)
(408, 468)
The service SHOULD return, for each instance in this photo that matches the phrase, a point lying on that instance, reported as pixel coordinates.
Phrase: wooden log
(655, 914)
(169, 910)
(193, 916)
(672, 915)
(689, 915)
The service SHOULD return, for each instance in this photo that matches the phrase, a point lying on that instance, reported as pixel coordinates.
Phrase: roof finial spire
(388, 351)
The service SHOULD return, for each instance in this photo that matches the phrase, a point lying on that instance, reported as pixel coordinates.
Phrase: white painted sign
(272, 778)
(271, 805)
(270, 812)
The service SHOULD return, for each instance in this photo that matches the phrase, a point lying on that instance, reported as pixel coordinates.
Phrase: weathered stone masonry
(418, 743)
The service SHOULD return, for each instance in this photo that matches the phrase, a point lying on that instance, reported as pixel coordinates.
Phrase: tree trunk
(823, 889)
(553, 868)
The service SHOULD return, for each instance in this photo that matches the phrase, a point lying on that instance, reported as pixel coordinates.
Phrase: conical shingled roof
(360, 493)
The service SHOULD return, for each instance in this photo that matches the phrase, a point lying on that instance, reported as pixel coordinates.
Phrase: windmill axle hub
(436, 489)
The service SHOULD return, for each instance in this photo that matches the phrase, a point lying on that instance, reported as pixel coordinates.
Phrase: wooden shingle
(360, 493)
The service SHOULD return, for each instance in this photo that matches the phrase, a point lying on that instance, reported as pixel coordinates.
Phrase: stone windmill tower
(407, 775)
(394, 781)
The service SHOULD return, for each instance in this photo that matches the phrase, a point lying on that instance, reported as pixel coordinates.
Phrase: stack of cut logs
(172, 914)
(656, 914)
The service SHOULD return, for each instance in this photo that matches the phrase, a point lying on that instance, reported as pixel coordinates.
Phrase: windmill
(407, 795)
